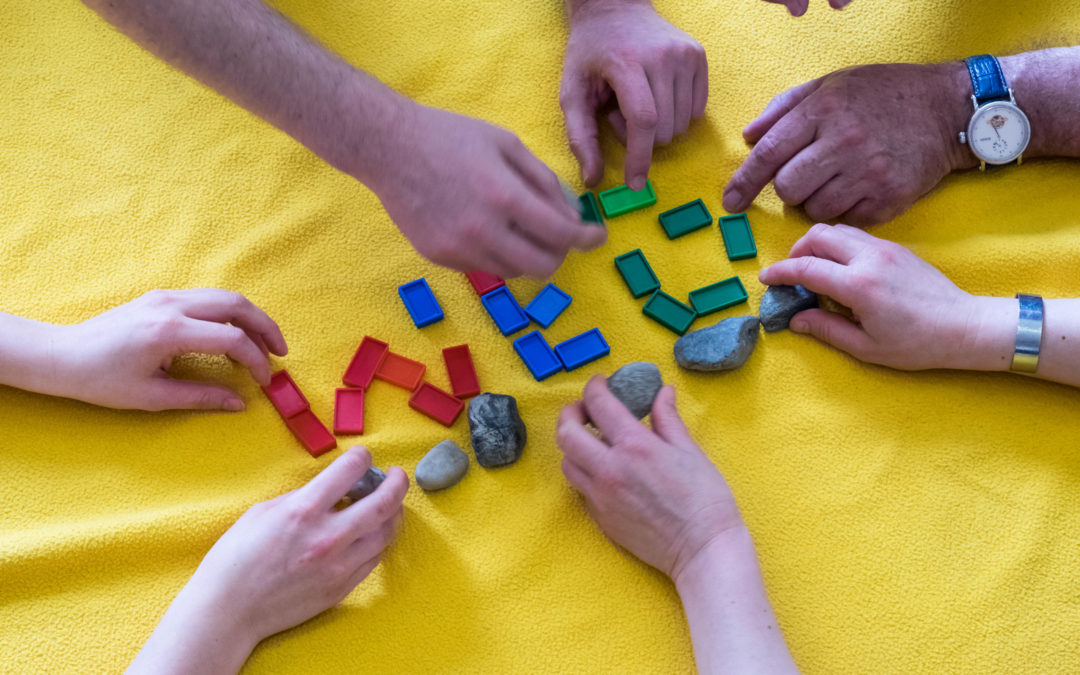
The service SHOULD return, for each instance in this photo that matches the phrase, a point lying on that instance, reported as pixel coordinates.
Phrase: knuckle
(853, 136)
(878, 168)
(165, 330)
(785, 189)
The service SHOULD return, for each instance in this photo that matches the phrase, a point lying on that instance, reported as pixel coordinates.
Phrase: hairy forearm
(1044, 83)
(27, 354)
(732, 625)
(250, 53)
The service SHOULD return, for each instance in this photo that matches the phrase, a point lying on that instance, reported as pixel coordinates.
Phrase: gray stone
(780, 303)
(636, 385)
(724, 346)
(496, 430)
(443, 466)
(366, 485)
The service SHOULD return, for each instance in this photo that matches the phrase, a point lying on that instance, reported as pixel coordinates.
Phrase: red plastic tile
(483, 282)
(310, 431)
(436, 403)
(285, 395)
(369, 356)
(403, 372)
(349, 411)
(459, 365)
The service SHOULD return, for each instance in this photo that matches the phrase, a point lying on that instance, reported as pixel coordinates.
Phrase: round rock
(724, 346)
(636, 385)
(366, 485)
(443, 466)
(780, 303)
(496, 429)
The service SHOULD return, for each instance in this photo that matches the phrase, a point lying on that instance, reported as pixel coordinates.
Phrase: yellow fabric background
(923, 522)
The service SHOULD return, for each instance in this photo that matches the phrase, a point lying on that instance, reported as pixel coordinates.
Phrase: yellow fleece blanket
(906, 522)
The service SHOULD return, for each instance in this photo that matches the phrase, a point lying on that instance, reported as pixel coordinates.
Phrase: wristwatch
(999, 131)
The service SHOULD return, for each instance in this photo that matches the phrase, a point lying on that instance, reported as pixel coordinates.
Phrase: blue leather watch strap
(987, 78)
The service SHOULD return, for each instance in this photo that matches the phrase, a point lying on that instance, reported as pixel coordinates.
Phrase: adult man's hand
(860, 144)
(622, 52)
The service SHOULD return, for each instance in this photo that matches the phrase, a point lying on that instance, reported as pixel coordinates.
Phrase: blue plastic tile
(548, 304)
(577, 351)
(537, 355)
(505, 310)
(421, 303)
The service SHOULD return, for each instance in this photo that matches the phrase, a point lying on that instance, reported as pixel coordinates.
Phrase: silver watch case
(1009, 105)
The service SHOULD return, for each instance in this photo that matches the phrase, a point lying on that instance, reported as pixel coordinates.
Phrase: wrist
(954, 86)
(579, 10)
(985, 335)
(728, 555)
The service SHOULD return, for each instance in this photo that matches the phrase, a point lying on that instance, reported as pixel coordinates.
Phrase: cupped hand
(625, 53)
(121, 358)
(470, 196)
(907, 314)
(859, 145)
(654, 492)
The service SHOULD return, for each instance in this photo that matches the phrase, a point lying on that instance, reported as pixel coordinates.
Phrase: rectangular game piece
(685, 219)
(369, 356)
(738, 237)
(349, 411)
(482, 282)
(637, 273)
(537, 355)
(436, 404)
(669, 312)
(459, 366)
(718, 296)
(505, 310)
(421, 303)
(403, 372)
(310, 431)
(548, 304)
(622, 199)
(285, 395)
(590, 208)
(579, 350)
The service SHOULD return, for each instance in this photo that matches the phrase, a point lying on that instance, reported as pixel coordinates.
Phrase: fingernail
(234, 405)
(732, 200)
(637, 183)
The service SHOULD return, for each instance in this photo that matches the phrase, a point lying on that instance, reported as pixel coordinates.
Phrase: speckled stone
(636, 385)
(724, 346)
(780, 303)
(366, 485)
(443, 466)
(496, 430)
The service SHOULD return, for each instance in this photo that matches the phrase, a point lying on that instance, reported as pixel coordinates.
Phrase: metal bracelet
(1028, 334)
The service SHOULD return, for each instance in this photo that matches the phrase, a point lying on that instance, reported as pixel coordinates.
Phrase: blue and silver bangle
(1028, 334)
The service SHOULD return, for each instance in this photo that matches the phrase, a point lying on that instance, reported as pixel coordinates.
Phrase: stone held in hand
(724, 346)
(442, 467)
(636, 385)
(371, 479)
(496, 430)
(780, 303)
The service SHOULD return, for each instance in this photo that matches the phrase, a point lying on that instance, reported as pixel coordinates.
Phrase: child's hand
(652, 491)
(121, 358)
(283, 562)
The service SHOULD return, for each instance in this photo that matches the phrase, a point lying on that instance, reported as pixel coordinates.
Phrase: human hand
(859, 145)
(654, 492)
(907, 314)
(283, 562)
(623, 52)
(121, 358)
(469, 195)
(799, 7)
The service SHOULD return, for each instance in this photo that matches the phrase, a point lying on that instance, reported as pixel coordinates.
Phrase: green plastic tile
(718, 296)
(738, 237)
(622, 199)
(636, 272)
(669, 312)
(590, 208)
(685, 219)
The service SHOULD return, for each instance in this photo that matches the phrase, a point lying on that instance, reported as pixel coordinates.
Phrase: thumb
(169, 394)
(581, 131)
(833, 329)
(666, 421)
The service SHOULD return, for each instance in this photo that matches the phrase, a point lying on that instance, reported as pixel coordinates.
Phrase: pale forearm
(732, 624)
(27, 354)
(250, 53)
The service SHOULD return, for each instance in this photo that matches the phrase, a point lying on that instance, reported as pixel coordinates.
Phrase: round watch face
(999, 132)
